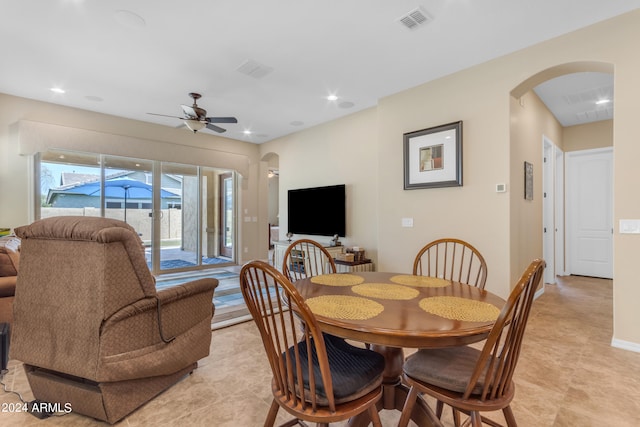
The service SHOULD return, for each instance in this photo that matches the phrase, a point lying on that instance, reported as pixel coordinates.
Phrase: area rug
(168, 280)
(227, 298)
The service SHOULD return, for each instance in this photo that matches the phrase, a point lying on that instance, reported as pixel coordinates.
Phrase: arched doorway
(273, 198)
(545, 209)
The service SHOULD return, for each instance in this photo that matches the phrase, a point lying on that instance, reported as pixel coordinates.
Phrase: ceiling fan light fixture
(194, 125)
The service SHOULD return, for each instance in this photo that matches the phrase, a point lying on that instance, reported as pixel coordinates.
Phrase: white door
(559, 213)
(589, 188)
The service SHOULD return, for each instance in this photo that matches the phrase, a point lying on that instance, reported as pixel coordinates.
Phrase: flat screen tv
(318, 211)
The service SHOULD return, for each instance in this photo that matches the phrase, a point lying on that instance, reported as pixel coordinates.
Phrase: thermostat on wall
(501, 188)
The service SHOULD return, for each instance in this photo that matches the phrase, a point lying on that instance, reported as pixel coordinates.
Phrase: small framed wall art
(528, 181)
(433, 157)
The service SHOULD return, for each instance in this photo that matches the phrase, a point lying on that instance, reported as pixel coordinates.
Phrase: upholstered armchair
(89, 325)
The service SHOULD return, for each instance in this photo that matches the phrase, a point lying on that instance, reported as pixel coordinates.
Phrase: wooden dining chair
(306, 258)
(452, 259)
(472, 380)
(314, 379)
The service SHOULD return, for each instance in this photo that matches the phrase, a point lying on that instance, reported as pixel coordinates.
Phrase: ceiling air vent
(415, 18)
(254, 69)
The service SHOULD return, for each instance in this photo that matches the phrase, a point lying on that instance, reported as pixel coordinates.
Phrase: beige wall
(364, 151)
(473, 212)
(530, 122)
(588, 136)
(501, 225)
(340, 152)
(27, 126)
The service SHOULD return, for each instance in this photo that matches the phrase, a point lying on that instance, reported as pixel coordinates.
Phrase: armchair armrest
(184, 305)
(130, 339)
(8, 286)
(181, 293)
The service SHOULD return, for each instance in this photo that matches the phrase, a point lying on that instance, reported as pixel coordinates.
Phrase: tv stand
(280, 247)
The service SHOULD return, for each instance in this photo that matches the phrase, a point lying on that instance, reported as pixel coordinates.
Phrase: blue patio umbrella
(121, 188)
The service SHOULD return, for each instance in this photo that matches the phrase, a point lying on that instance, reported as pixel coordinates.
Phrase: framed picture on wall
(433, 157)
(528, 181)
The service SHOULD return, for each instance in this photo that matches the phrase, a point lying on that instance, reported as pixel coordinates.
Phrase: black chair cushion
(355, 371)
(448, 368)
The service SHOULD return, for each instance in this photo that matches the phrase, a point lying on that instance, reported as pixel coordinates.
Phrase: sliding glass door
(184, 214)
(69, 184)
(227, 224)
(128, 193)
(179, 221)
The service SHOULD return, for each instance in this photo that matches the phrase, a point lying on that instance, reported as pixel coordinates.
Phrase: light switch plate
(407, 222)
(630, 226)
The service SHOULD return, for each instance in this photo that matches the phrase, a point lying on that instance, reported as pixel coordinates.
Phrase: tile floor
(568, 375)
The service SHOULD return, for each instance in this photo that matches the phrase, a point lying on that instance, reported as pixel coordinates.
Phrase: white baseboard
(231, 322)
(625, 345)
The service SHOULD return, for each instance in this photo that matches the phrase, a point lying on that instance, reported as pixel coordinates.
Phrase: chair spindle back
(269, 296)
(306, 258)
(452, 259)
(501, 351)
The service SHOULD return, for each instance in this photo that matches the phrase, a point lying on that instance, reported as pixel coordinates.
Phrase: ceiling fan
(195, 118)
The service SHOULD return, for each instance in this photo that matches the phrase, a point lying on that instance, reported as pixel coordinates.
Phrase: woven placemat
(337, 279)
(385, 291)
(463, 309)
(344, 307)
(420, 281)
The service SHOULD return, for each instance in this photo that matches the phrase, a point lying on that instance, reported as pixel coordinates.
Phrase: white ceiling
(128, 58)
(578, 98)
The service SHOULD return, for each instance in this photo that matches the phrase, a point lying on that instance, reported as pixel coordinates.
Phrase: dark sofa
(9, 262)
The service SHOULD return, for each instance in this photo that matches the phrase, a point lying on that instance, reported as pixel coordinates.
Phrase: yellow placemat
(337, 279)
(463, 309)
(420, 281)
(344, 307)
(385, 291)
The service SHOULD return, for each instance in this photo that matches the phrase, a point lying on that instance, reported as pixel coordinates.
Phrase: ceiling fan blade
(215, 128)
(164, 115)
(221, 120)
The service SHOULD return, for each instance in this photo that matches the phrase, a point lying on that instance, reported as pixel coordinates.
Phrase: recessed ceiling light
(603, 101)
(246, 132)
(332, 97)
(57, 90)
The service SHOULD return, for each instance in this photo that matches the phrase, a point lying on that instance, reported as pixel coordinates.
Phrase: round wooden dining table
(392, 311)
